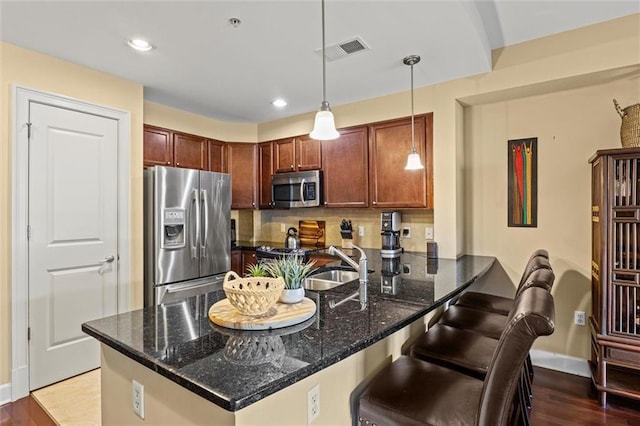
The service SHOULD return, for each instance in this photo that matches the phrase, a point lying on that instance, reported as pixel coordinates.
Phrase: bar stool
(502, 305)
(411, 391)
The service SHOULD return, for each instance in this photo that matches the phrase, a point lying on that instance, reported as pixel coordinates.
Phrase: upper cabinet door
(308, 153)
(265, 159)
(216, 155)
(158, 146)
(346, 169)
(242, 164)
(190, 151)
(391, 185)
(297, 154)
(284, 152)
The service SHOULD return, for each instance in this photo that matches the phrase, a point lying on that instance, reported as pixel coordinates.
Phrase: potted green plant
(293, 271)
(256, 270)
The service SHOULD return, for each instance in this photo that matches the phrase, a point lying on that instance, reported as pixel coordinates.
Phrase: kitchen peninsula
(195, 372)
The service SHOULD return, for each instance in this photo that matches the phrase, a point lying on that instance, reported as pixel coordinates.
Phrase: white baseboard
(558, 362)
(5, 393)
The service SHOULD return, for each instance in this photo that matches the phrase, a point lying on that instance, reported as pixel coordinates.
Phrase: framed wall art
(523, 182)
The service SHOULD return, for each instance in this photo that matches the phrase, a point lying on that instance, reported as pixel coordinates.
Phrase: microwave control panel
(309, 191)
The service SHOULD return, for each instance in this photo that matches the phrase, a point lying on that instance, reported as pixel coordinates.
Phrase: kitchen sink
(330, 279)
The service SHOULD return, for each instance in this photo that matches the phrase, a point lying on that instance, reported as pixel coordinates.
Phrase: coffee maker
(390, 234)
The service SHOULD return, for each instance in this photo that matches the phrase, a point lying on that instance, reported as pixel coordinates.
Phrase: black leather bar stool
(411, 391)
(502, 305)
(470, 352)
(465, 349)
(490, 323)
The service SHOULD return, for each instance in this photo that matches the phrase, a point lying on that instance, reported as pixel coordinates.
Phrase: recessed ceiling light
(139, 44)
(279, 103)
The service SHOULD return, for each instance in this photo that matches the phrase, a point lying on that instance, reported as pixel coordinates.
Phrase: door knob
(108, 259)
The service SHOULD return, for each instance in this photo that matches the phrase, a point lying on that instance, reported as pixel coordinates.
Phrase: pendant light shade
(324, 127)
(413, 160)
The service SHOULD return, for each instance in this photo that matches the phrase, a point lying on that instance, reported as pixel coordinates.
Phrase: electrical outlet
(360, 231)
(579, 318)
(313, 403)
(428, 233)
(138, 399)
(282, 227)
(406, 232)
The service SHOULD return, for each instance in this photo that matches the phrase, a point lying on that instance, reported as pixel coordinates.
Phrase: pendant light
(413, 160)
(324, 127)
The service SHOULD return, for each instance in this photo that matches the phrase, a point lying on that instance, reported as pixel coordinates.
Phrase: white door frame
(22, 97)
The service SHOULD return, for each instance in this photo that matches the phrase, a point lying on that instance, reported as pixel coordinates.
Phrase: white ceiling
(202, 64)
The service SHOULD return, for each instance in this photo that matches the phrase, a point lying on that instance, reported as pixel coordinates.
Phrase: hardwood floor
(559, 400)
(25, 411)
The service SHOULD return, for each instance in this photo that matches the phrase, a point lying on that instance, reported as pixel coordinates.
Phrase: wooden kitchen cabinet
(242, 164)
(216, 155)
(157, 146)
(236, 261)
(248, 258)
(166, 147)
(297, 154)
(190, 151)
(346, 169)
(265, 160)
(615, 273)
(390, 185)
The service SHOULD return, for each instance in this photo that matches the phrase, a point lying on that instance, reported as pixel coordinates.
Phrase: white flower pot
(292, 295)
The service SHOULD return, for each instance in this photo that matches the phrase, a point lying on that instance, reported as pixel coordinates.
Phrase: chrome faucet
(363, 279)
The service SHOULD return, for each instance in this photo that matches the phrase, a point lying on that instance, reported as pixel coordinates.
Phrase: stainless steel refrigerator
(187, 247)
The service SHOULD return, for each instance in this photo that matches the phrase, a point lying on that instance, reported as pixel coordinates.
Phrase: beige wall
(23, 67)
(175, 119)
(570, 127)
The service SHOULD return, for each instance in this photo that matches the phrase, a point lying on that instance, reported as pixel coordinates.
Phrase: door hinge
(28, 333)
(28, 130)
(28, 232)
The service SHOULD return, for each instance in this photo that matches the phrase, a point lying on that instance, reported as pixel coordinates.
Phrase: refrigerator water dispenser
(173, 235)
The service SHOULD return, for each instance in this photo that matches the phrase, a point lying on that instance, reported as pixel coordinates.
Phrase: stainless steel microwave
(297, 189)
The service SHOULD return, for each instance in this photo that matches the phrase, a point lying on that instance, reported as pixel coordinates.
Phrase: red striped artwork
(522, 182)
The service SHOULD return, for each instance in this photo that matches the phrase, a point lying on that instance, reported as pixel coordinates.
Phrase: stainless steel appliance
(390, 275)
(268, 252)
(187, 246)
(297, 189)
(292, 241)
(390, 234)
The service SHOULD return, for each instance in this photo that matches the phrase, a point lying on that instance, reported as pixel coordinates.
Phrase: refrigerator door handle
(204, 201)
(195, 224)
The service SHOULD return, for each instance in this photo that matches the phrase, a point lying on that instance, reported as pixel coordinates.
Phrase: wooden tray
(311, 232)
(281, 315)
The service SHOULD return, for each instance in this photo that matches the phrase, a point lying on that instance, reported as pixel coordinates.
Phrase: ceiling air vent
(345, 48)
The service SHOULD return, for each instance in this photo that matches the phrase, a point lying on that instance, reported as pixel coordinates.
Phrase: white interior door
(72, 240)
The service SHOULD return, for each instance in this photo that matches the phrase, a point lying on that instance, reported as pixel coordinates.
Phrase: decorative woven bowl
(252, 296)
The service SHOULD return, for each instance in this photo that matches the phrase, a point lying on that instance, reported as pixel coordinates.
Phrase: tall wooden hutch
(615, 272)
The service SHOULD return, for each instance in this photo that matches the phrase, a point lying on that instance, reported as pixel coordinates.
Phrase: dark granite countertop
(179, 341)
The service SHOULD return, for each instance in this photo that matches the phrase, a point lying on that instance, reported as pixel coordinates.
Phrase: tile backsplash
(265, 225)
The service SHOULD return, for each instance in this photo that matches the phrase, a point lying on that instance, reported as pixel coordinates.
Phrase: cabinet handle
(375, 202)
(168, 163)
(298, 165)
(177, 164)
(292, 167)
